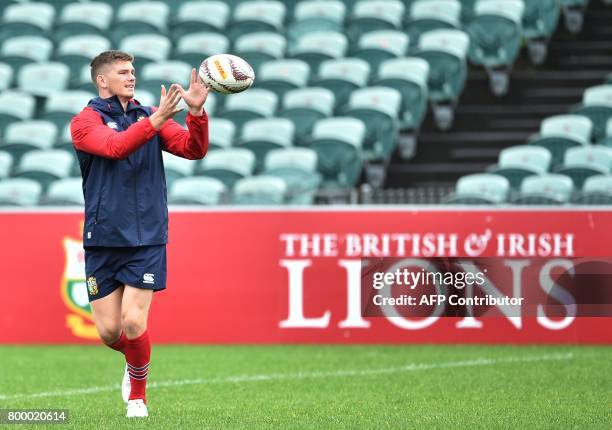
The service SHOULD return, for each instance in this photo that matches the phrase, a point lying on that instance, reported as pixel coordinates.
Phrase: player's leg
(107, 318)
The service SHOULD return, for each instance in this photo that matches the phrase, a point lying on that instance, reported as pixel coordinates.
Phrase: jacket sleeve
(191, 143)
(91, 135)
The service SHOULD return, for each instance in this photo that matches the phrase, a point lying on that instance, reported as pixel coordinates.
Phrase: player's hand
(196, 94)
(167, 106)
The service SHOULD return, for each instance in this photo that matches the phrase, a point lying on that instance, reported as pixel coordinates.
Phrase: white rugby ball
(227, 74)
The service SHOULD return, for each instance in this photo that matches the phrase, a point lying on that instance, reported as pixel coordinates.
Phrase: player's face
(121, 79)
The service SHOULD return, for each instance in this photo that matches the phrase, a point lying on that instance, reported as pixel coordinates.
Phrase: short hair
(106, 58)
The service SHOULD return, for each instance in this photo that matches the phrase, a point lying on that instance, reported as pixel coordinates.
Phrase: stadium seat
(146, 48)
(281, 76)
(378, 46)
(252, 104)
(24, 136)
(607, 140)
(177, 167)
(194, 48)
(257, 48)
(64, 192)
(298, 168)
(15, 106)
(573, 14)
(445, 51)
(197, 16)
(6, 76)
(227, 165)
(61, 107)
(45, 166)
(19, 192)
(583, 162)
(263, 135)
(540, 20)
(197, 191)
(338, 143)
(257, 16)
(78, 51)
(597, 106)
(480, 189)
(314, 48)
(496, 37)
(140, 17)
(21, 50)
(28, 18)
(342, 77)
(259, 190)
(375, 15)
(154, 75)
(597, 190)
(561, 132)
(518, 162)
(43, 79)
(306, 106)
(548, 189)
(313, 16)
(429, 15)
(84, 18)
(6, 164)
(221, 133)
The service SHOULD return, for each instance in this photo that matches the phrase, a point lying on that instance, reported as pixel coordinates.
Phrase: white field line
(413, 367)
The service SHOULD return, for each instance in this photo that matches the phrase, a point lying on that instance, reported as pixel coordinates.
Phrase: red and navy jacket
(120, 155)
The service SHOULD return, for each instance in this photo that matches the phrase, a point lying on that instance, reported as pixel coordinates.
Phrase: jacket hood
(112, 105)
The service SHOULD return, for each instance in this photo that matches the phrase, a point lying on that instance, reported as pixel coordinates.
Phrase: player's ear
(101, 81)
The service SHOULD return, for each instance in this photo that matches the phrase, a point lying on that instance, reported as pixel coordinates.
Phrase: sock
(119, 344)
(137, 356)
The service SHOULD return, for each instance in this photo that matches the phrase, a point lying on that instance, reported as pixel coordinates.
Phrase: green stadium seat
(227, 165)
(378, 46)
(61, 107)
(6, 164)
(607, 141)
(597, 190)
(258, 48)
(582, 162)
(313, 16)
(64, 141)
(264, 135)
(154, 75)
(43, 79)
(197, 17)
(573, 13)
(24, 136)
(540, 20)
(64, 192)
(140, 17)
(78, 51)
(177, 167)
(375, 15)
(194, 48)
(480, 189)
(19, 192)
(338, 143)
(298, 168)
(259, 190)
(314, 48)
(281, 76)
(518, 162)
(445, 51)
(84, 18)
(252, 104)
(197, 191)
(221, 133)
(496, 37)
(429, 15)
(146, 48)
(257, 16)
(306, 106)
(28, 18)
(147, 98)
(17, 51)
(15, 106)
(343, 76)
(6, 76)
(597, 106)
(548, 189)
(45, 166)
(561, 132)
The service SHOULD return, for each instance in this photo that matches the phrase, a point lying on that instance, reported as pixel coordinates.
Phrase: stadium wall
(291, 276)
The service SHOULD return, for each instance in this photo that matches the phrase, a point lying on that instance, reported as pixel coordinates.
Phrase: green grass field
(321, 386)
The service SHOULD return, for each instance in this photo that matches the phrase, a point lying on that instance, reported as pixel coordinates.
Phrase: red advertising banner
(278, 276)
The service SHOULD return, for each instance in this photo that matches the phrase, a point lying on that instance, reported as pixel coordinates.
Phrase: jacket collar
(112, 105)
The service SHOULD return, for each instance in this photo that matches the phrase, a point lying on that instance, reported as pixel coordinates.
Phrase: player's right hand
(167, 106)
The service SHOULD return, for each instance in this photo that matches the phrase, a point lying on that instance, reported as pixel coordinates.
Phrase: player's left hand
(196, 94)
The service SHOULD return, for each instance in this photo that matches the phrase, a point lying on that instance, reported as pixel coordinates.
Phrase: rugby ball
(227, 74)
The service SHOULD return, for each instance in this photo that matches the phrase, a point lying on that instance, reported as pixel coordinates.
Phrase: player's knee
(133, 323)
(109, 331)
